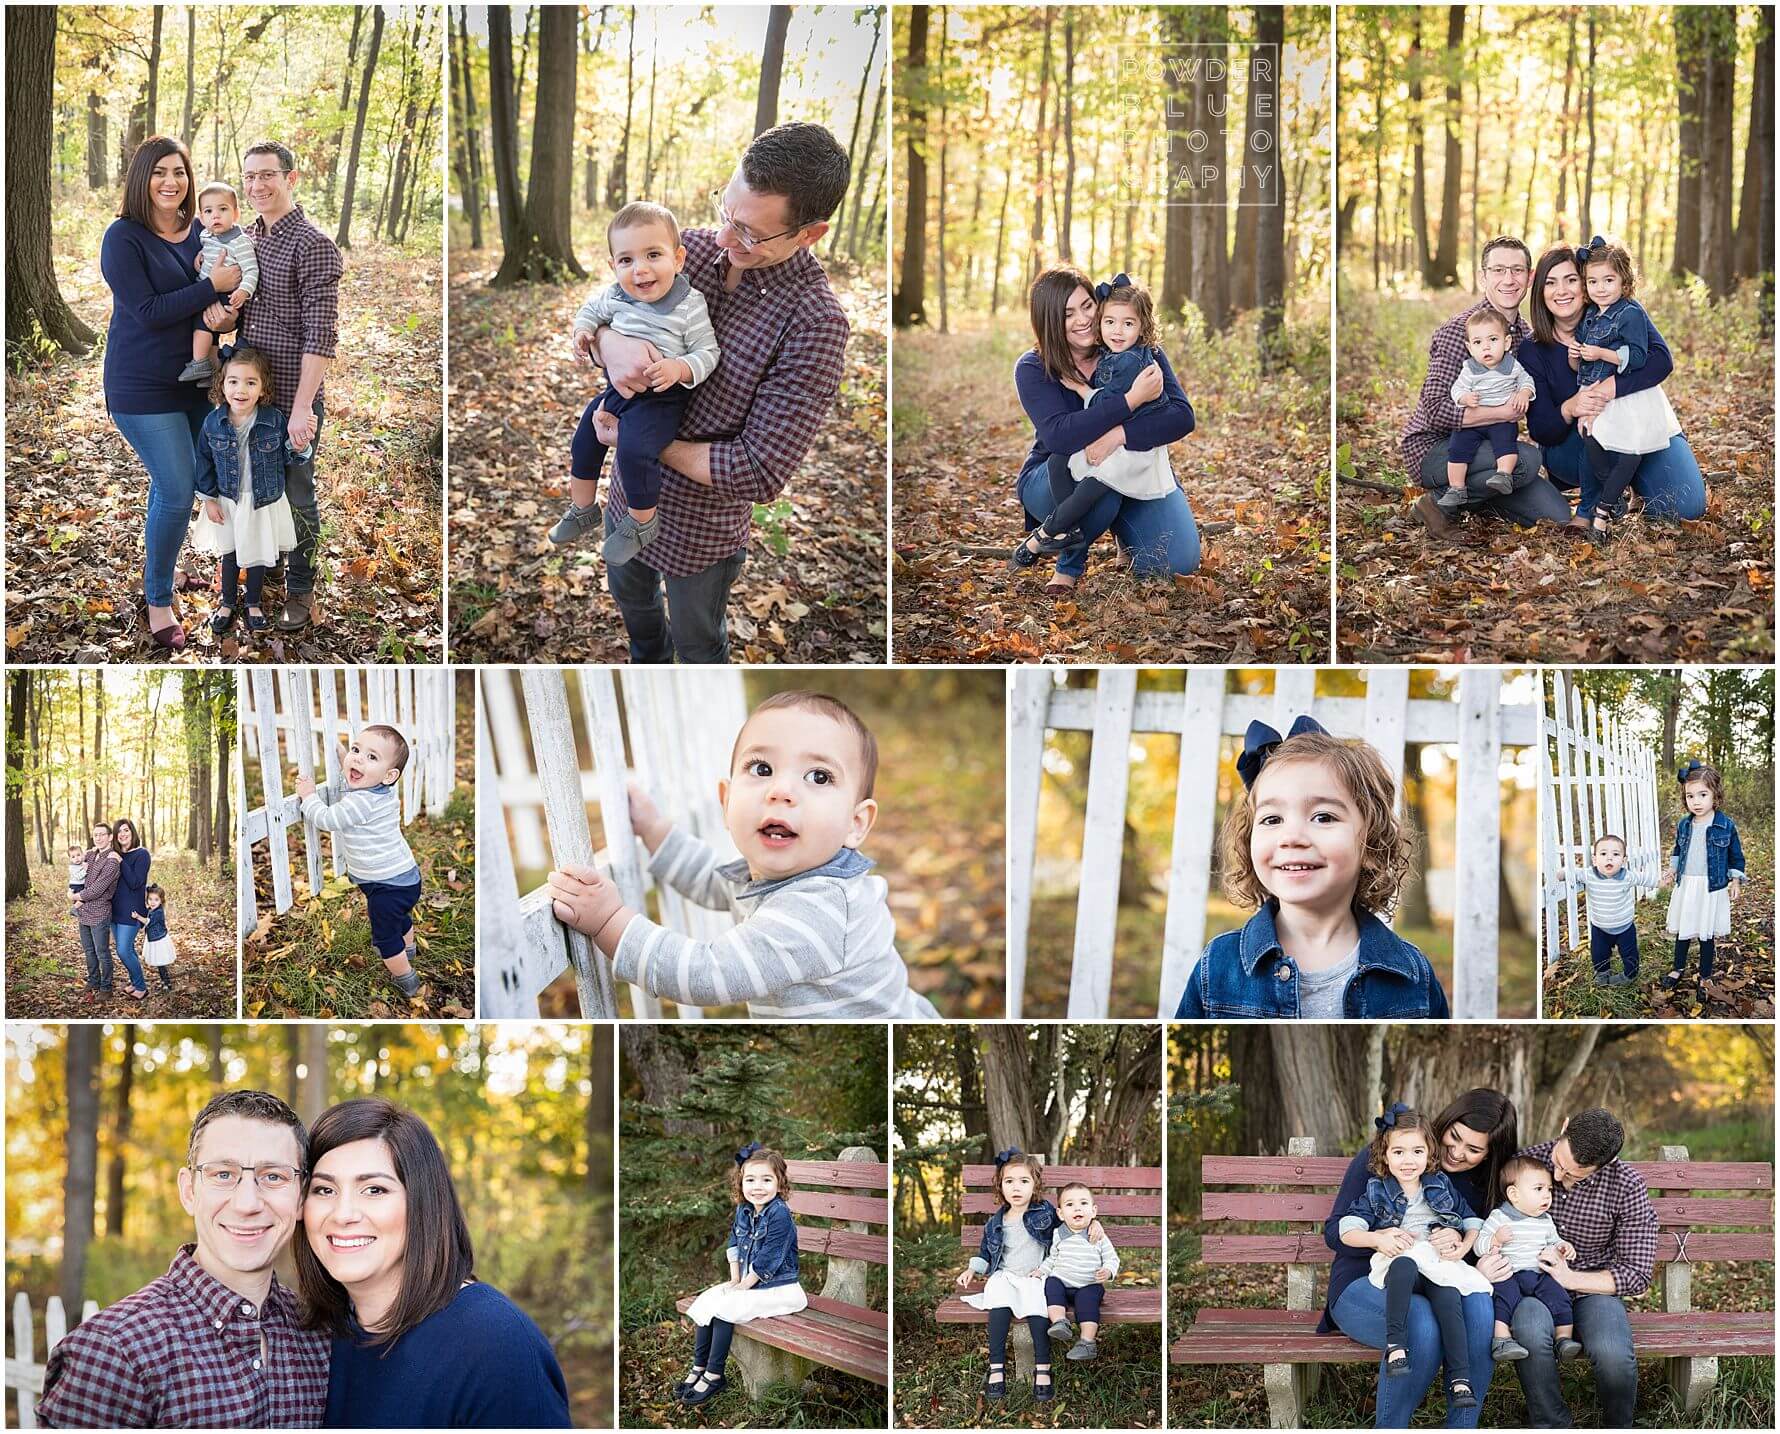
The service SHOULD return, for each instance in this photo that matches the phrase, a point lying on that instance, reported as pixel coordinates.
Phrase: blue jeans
(1359, 1314)
(167, 444)
(1159, 532)
(299, 488)
(694, 627)
(127, 934)
(1670, 482)
(1533, 500)
(95, 945)
(1606, 1336)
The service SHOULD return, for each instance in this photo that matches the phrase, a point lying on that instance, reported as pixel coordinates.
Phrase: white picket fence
(670, 728)
(1480, 724)
(23, 1372)
(318, 709)
(1595, 778)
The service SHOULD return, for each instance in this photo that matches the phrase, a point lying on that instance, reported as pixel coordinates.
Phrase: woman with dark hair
(1159, 533)
(1669, 480)
(129, 899)
(388, 1272)
(1475, 1135)
(149, 259)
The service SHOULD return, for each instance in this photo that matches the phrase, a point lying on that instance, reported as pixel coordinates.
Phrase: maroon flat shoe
(172, 637)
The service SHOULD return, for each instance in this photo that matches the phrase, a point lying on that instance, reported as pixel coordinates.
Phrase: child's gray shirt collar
(845, 863)
(677, 291)
(1505, 367)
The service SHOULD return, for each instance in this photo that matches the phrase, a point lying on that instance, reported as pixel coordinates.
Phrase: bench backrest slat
(1327, 1171)
(1124, 1237)
(826, 1190)
(1096, 1177)
(1307, 1248)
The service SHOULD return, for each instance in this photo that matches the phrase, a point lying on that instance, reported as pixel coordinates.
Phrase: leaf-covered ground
(1742, 984)
(317, 960)
(1662, 591)
(813, 588)
(1255, 470)
(76, 495)
(46, 970)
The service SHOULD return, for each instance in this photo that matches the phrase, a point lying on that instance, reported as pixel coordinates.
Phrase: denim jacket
(1114, 373)
(1622, 325)
(1246, 974)
(219, 457)
(765, 1243)
(1041, 1219)
(1384, 1204)
(1724, 851)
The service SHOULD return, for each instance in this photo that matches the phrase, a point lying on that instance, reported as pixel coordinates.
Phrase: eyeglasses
(749, 241)
(226, 1175)
(254, 174)
(1504, 271)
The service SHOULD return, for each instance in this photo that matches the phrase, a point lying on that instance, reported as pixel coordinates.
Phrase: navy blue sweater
(156, 297)
(130, 900)
(1556, 384)
(479, 1363)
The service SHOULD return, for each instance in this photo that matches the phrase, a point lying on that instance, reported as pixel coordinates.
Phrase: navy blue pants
(1602, 944)
(1538, 1285)
(390, 906)
(710, 1346)
(649, 422)
(1466, 441)
(1613, 472)
(1001, 1320)
(1708, 950)
(1085, 1301)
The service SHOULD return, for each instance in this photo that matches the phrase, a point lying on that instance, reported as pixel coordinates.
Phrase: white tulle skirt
(1696, 914)
(258, 537)
(159, 953)
(739, 1306)
(1641, 422)
(1454, 1274)
(1142, 473)
(1023, 1294)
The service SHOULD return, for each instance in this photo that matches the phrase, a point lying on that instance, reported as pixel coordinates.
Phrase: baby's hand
(305, 787)
(605, 427)
(665, 373)
(1575, 350)
(213, 510)
(1102, 1275)
(583, 899)
(1566, 1249)
(237, 299)
(645, 817)
(1469, 400)
(583, 345)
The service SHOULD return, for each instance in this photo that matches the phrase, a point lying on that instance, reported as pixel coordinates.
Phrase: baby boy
(1521, 1230)
(1612, 913)
(813, 935)
(220, 213)
(365, 816)
(1075, 1272)
(1491, 376)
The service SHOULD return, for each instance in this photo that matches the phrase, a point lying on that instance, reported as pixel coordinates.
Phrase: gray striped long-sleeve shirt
(819, 945)
(237, 243)
(1492, 386)
(367, 822)
(1612, 900)
(678, 323)
(1518, 1238)
(1075, 1259)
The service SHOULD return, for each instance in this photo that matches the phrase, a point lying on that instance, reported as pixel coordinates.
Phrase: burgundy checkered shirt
(1609, 1219)
(783, 335)
(296, 309)
(1436, 416)
(186, 1352)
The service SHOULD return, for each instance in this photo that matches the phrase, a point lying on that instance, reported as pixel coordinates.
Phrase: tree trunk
(220, 833)
(1007, 1087)
(152, 108)
(663, 1060)
(1717, 260)
(1270, 213)
(98, 739)
(1690, 76)
(81, 1059)
(1418, 194)
(600, 1110)
(343, 237)
(1065, 250)
(909, 305)
(1758, 149)
(340, 110)
(940, 244)
(1446, 259)
(410, 113)
(854, 198)
(191, 56)
(1177, 232)
(1312, 1065)
(772, 64)
(313, 1096)
(1588, 174)
(472, 136)
(1211, 240)
(974, 1111)
(1426, 1074)
(545, 251)
(415, 178)
(1007, 190)
(1040, 174)
(618, 176)
(877, 175)
(18, 867)
(120, 1136)
(36, 313)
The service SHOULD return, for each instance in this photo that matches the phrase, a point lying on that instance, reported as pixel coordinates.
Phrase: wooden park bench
(838, 1329)
(1129, 1199)
(1299, 1189)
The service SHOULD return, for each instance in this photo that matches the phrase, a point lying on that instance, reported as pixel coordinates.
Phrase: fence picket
(1195, 821)
(1029, 693)
(1103, 843)
(272, 775)
(513, 972)
(605, 735)
(1477, 915)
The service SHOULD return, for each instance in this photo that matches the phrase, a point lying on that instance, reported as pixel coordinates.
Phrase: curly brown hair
(1381, 1142)
(1709, 776)
(760, 1157)
(1621, 262)
(260, 365)
(1136, 298)
(1388, 841)
(1028, 1162)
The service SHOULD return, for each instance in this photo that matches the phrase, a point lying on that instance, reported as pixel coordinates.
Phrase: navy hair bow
(1103, 291)
(748, 1152)
(1258, 744)
(1693, 768)
(1388, 1121)
(225, 352)
(1593, 247)
(1013, 1152)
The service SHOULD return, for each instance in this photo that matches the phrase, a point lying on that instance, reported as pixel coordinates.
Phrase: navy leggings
(1084, 1301)
(1071, 501)
(1613, 471)
(252, 578)
(648, 422)
(710, 1346)
(1401, 1281)
(1002, 1320)
(1708, 949)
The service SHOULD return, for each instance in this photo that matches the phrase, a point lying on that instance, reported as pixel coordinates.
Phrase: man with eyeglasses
(215, 1343)
(293, 319)
(783, 337)
(1506, 268)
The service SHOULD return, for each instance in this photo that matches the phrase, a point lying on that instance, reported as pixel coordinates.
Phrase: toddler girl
(1705, 868)
(247, 517)
(157, 949)
(1613, 338)
(1015, 1243)
(1315, 843)
(762, 1270)
(1128, 339)
(1407, 1197)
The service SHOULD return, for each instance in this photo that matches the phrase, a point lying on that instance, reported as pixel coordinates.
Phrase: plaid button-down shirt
(1436, 416)
(296, 309)
(186, 1352)
(784, 336)
(1609, 1219)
